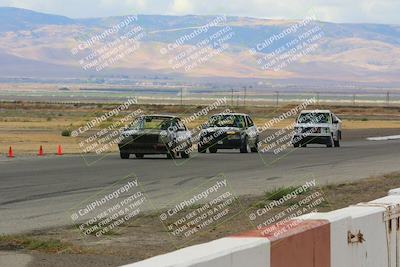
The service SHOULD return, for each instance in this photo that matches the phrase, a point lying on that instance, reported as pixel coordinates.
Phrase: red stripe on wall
(297, 243)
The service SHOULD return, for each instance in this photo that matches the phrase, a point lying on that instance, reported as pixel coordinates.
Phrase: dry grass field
(27, 126)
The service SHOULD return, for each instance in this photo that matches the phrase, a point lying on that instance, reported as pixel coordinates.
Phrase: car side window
(250, 123)
(334, 118)
(243, 121)
(179, 125)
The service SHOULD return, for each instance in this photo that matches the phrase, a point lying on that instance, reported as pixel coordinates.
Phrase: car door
(251, 130)
(335, 127)
(182, 133)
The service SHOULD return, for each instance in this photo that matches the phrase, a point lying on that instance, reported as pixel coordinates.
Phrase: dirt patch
(66, 260)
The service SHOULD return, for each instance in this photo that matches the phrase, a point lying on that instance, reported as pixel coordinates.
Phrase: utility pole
(232, 97)
(244, 97)
(181, 96)
(388, 98)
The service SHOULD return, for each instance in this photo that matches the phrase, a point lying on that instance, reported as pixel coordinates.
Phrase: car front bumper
(224, 141)
(312, 139)
(136, 148)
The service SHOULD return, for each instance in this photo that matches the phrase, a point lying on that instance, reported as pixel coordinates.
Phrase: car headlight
(297, 130)
(125, 134)
(163, 134)
(325, 130)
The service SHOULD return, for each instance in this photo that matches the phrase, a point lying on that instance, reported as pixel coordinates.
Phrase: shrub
(278, 193)
(66, 133)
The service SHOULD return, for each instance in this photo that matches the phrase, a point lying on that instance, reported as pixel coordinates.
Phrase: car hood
(309, 125)
(224, 129)
(142, 132)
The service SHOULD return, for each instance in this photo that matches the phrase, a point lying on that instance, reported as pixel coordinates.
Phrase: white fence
(366, 234)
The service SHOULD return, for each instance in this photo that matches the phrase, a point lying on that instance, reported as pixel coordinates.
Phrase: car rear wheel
(213, 150)
(124, 155)
(139, 156)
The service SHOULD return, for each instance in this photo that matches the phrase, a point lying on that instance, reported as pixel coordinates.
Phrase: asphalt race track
(38, 193)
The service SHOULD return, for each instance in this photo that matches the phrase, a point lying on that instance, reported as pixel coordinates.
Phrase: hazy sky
(372, 11)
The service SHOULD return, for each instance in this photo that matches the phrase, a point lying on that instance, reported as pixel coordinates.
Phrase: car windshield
(227, 121)
(314, 117)
(152, 123)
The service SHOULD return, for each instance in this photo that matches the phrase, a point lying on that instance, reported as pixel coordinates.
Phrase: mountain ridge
(347, 51)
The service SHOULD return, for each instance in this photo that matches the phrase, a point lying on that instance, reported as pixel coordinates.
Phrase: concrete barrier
(366, 234)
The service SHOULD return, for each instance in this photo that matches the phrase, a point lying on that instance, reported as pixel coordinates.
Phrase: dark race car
(156, 134)
(229, 131)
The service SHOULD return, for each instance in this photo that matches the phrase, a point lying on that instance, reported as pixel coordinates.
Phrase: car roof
(239, 114)
(316, 111)
(161, 116)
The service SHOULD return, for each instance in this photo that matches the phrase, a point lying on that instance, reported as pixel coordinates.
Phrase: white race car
(317, 127)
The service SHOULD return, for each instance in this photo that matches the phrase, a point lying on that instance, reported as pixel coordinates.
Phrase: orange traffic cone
(40, 153)
(10, 153)
(59, 150)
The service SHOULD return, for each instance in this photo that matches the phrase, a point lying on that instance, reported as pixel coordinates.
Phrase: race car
(156, 134)
(229, 131)
(317, 127)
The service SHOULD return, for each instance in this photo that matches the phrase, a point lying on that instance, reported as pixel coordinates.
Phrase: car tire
(124, 155)
(139, 155)
(185, 155)
(336, 143)
(255, 148)
(171, 155)
(330, 143)
(244, 148)
(213, 150)
(201, 149)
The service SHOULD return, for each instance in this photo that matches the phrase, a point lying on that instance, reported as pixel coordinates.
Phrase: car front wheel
(124, 155)
(337, 143)
(330, 143)
(244, 148)
(185, 155)
(171, 155)
(255, 148)
(201, 149)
